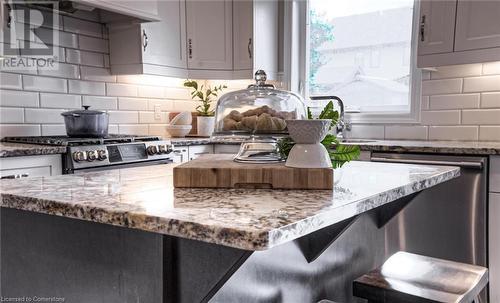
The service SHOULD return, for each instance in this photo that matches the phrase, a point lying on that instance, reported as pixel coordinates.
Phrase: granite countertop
(144, 198)
(435, 147)
(200, 141)
(408, 146)
(8, 149)
(21, 149)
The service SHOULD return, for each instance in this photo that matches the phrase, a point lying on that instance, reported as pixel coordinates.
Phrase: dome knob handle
(260, 77)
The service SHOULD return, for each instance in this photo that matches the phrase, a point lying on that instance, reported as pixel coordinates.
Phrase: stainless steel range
(114, 151)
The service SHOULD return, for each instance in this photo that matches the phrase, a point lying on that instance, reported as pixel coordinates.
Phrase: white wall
(458, 103)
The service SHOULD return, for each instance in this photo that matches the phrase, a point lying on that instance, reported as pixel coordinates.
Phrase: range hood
(113, 11)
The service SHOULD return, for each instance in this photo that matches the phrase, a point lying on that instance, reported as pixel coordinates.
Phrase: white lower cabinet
(494, 246)
(30, 166)
(226, 148)
(181, 154)
(187, 153)
(197, 150)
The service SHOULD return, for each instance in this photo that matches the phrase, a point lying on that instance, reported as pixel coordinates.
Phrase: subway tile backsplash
(459, 102)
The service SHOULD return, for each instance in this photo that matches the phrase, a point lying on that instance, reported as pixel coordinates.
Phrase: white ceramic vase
(205, 126)
(308, 152)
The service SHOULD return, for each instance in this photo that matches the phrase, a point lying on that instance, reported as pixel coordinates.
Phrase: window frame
(296, 67)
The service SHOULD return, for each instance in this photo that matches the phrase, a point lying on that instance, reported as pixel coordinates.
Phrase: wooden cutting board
(220, 171)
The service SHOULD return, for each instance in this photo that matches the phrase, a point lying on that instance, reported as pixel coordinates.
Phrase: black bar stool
(411, 278)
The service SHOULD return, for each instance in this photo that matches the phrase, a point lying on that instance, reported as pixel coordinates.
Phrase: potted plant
(205, 95)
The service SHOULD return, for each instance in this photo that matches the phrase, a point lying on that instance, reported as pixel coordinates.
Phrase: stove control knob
(152, 150)
(92, 155)
(102, 155)
(169, 149)
(79, 156)
(162, 149)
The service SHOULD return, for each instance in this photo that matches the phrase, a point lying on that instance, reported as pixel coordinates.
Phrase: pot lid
(84, 111)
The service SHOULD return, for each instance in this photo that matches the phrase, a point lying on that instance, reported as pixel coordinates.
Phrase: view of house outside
(360, 50)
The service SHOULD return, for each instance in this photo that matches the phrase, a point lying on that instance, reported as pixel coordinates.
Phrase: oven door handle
(463, 164)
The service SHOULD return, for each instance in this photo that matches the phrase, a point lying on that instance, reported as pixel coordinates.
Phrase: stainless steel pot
(86, 123)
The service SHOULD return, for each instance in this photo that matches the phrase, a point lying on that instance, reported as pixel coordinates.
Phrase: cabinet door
(437, 26)
(164, 42)
(197, 150)
(226, 148)
(478, 24)
(209, 34)
(181, 154)
(494, 247)
(30, 166)
(266, 37)
(243, 34)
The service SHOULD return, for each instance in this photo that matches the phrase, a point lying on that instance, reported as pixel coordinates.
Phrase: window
(362, 51)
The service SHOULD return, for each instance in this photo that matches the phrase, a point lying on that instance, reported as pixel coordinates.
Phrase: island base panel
(81, 261)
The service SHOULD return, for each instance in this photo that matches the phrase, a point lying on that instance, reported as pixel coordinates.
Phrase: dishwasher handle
(463, 164)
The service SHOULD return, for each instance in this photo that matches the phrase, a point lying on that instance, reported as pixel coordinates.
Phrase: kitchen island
(137, 239)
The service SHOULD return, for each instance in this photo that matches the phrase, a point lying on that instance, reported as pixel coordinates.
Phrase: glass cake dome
(258, 111)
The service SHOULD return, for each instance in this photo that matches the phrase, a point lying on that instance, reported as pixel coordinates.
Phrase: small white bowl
(309, 156)
(182, 118)
(178, 131)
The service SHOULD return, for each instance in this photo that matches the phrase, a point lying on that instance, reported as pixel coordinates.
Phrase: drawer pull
(15, 176)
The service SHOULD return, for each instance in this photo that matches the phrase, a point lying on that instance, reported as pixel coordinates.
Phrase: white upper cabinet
(209, 39)
(437, 27)
(145, 10)
(265, 37)
(243, 36)
(165, 40)
(249, 43)
(209, 34)
(458, 32)
(478, 24)
(157, 48)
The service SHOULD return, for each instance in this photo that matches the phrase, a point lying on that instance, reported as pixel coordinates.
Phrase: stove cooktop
(71, 141)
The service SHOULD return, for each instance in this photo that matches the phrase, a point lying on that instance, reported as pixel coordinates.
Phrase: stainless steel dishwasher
(448, 221)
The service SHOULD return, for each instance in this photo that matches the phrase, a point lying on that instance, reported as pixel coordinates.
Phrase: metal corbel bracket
(314, 244)
(387, 212)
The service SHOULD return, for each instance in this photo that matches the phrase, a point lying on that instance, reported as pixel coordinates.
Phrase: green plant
(339, 154)
(204, 95)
